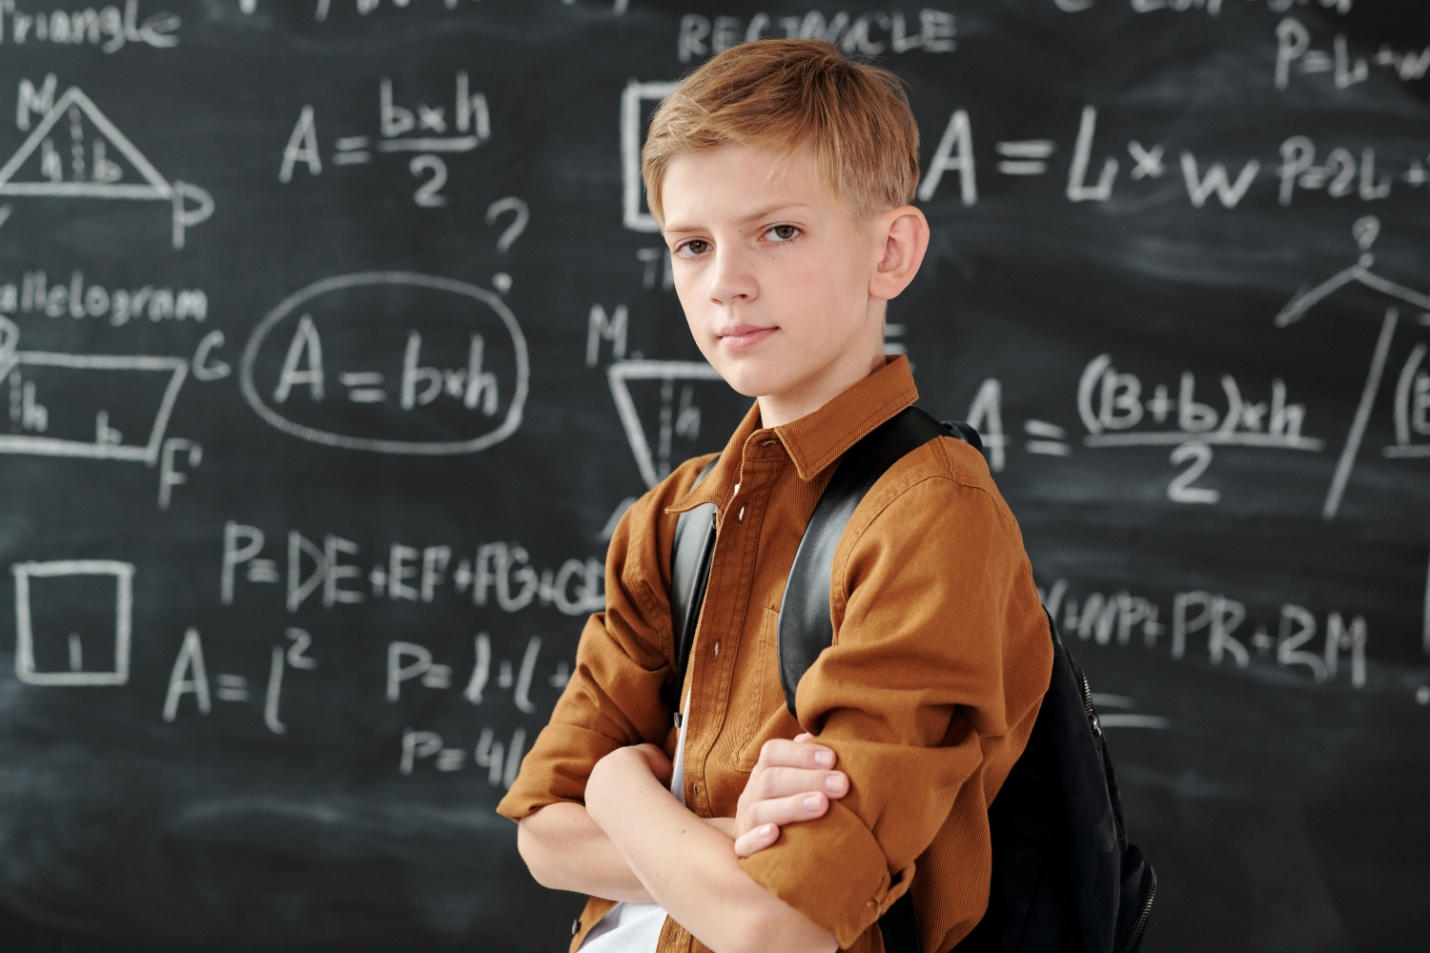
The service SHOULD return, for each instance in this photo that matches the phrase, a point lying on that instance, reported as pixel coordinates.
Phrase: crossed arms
(958, 683)
(633, 841)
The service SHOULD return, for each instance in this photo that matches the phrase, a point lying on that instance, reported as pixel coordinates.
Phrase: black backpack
(1065, 879)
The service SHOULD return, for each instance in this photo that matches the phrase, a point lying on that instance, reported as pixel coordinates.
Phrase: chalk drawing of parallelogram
(96, 169)
(54, 587)
(653, 461)
(80, 382)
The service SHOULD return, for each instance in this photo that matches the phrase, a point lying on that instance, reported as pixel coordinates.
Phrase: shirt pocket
(759, 699)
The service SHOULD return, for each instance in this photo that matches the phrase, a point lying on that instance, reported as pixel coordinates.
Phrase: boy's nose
(732, 278)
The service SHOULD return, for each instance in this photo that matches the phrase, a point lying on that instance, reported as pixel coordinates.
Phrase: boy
(781, 174)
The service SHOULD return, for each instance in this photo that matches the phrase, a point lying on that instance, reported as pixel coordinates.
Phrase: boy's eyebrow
(754, 216)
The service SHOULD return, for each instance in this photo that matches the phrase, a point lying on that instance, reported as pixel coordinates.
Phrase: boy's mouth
(737, 336)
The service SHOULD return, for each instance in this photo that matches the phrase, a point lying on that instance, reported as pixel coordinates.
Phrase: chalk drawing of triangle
(653, 457)
(78, 109)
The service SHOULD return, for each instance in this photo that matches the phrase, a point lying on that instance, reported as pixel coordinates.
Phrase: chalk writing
(93, 160)
(36, 380)
(637, 100)
(189, 677)
(56, 640)
(474, 378)
(1118, 410)
(501, 760)
(80, 298)
(1409, 392)
(61, 427)
(110, 28)
(362, 7)
(412, 662)
(1342, 174)
(1425, 629)
(1412, 408)
(1210, 7)
(429, 131)
(1093, 172)
(870, 34)
(1295, 54)
(679, 415)
(1325, 648)
(332, 571)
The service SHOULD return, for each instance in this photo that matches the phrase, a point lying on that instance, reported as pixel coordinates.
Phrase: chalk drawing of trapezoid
(94, 160)
(669, 390)
(86, 405)
(67, 610)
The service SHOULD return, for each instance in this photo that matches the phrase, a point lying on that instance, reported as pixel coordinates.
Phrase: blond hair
(788, 95)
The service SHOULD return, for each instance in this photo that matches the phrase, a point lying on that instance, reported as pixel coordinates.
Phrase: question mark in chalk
(520, 216)
(1365, 231)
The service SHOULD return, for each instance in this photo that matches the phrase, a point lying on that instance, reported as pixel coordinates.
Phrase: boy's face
(774, 275)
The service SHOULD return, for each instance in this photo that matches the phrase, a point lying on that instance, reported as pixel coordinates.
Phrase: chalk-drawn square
(68, 610)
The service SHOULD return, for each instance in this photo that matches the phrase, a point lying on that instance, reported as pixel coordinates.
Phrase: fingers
(805, 806)
(766, 817)
(756, 840)
(784, 782)
(798, 753)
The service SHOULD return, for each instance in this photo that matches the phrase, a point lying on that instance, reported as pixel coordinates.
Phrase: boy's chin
(744, 390)
(744, 386)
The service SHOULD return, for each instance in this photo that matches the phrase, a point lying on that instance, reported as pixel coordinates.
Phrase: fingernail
(767, 831)
(811, 803)
(834, 784)
(824, 758)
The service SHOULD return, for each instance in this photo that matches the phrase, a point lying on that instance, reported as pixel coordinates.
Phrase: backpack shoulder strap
(804, 623)
(689, 571)
(805, 628)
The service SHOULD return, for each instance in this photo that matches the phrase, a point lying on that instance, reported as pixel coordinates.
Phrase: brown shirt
(940, 657)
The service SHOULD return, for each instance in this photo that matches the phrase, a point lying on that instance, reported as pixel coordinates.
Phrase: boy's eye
(782, 233)
(691, 248)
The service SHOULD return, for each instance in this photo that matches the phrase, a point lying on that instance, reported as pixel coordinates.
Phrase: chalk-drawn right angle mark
(94, 161)
(1412, 399)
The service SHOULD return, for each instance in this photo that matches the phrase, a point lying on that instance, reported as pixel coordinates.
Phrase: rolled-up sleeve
(939, 660)
(615, 696)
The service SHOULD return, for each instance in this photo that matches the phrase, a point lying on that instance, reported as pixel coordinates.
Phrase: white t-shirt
(635, 927)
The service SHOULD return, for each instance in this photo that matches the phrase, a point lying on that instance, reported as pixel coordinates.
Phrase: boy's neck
(781, 409)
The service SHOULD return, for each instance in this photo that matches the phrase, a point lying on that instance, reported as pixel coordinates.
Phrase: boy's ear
(905, 235)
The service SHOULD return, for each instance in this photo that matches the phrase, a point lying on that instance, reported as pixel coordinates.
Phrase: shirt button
(740, 517)
(717, 649)
(575, 926)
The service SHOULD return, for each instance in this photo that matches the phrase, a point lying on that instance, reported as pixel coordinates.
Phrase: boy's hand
(793, 781)
(656, 760)
(628, 763)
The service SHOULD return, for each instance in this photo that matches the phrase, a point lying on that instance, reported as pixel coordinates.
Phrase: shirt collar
(815, 440)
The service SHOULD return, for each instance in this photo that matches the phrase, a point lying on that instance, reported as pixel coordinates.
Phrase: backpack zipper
(1141, 923)
(1087, 704)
